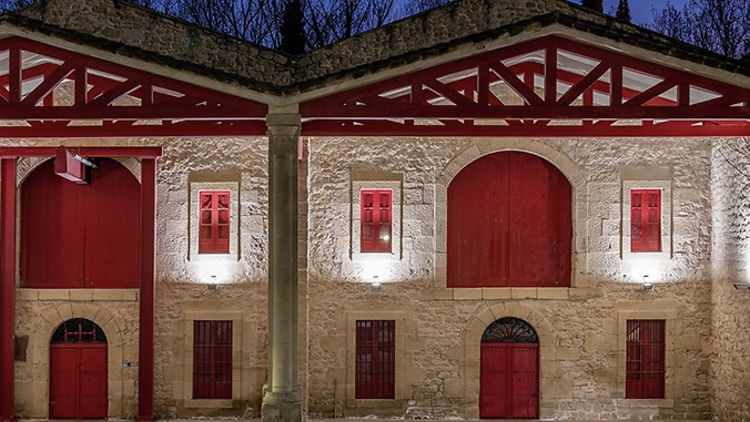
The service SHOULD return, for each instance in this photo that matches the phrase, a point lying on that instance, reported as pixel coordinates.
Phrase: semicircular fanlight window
(78, 330)
(509, 330)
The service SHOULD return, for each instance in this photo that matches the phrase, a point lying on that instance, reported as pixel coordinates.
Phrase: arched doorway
(509, 377)
(78, 371)
(509, 223)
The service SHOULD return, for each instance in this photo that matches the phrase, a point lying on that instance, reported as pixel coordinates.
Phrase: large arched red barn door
(509, 223)
(80, 236)
(509, 376)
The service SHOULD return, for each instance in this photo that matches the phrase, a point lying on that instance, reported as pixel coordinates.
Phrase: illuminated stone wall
(730, 262)
(581, 328)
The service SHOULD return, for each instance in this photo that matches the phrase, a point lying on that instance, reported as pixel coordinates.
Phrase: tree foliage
(293, 40)
(722, 26)
(596, 5)
(623, 11)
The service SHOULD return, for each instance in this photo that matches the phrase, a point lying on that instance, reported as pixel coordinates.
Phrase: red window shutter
(214, 222)
(375, 359)
(645, 359)
(645, 220)
(375, 216)
(212, 359)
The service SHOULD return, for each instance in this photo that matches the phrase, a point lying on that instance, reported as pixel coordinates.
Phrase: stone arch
(484, 315)
(481, 148)
(27, 164)
(114, 326)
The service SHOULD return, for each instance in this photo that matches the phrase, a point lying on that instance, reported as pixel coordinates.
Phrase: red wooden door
(78, 381)
(509, 223)
(509, 381)
(80, 236)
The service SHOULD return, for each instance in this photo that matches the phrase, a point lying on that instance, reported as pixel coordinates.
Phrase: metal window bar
(78, 330)
(212, 360)
(645, 359)
(375, 359)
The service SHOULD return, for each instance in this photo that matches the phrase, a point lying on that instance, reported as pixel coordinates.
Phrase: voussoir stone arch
(482, 147)
(114, 327)
(26, 166)
(484, 315)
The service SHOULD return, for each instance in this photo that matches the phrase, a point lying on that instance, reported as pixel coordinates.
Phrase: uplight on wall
(742, 286)
(646, 285)
(213, 272)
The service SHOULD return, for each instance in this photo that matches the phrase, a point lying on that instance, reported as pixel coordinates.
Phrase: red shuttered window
(644, 375)
(214, 222)
(212, 359)
(376, 363)
(376, 216)
(645, 220)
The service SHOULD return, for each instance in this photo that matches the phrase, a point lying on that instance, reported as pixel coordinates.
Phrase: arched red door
(78, 372)
(509, 376)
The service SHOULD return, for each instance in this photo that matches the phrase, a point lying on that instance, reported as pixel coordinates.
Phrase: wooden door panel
(509, 223)
(80, 236)
(509, 381)
(112, 238)
(78, 381)
(51, 231)
(525, 395)
(63, 394)
(494, 391)
(94, 397)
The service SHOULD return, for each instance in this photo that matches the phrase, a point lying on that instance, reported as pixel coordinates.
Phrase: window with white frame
(376, 219)
(646, 219)
(214, 222)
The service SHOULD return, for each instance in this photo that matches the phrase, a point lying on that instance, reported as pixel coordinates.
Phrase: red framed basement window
(376, 215)
(212, 359)
(645, 220)
(376, 363)
(214, 222)
(645, 372)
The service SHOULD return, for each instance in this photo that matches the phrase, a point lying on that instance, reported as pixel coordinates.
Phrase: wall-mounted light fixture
(742, 286)
(213, 285)
(375, 284)
(647, 285)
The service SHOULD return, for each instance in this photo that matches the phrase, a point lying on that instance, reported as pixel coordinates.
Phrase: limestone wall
(438, 329)
(182, 296)
(730, 260)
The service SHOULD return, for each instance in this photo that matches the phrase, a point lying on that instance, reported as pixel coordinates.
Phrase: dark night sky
(641, 9)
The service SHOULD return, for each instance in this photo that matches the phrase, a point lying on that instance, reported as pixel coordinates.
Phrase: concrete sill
(208, 404)
(645, 403)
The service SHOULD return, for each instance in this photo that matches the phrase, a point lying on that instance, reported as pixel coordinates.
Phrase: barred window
(376, 363)
(212, 360)
(645, 355)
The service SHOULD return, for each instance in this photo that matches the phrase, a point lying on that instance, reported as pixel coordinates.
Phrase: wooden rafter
(531, 89)
(67, 94)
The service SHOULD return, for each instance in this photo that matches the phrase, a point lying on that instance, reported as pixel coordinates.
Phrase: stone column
(282, 401)
(7, 286)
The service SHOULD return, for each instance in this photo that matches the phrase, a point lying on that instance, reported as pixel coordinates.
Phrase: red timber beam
(549, 86)
(50, 92)
(148, 157)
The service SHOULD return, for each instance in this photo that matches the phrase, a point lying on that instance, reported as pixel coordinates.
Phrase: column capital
(280, 124)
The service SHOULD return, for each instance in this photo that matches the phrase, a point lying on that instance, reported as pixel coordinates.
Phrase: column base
(10, 418)
(282, 407)
(149, 418)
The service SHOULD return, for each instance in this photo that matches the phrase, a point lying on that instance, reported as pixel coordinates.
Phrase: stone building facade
(294, 343)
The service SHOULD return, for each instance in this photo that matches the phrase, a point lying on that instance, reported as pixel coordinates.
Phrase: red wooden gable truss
(50, 92)
(550, 86)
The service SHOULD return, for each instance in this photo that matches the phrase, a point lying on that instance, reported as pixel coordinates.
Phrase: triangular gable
(549, 86)
(50, 92)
